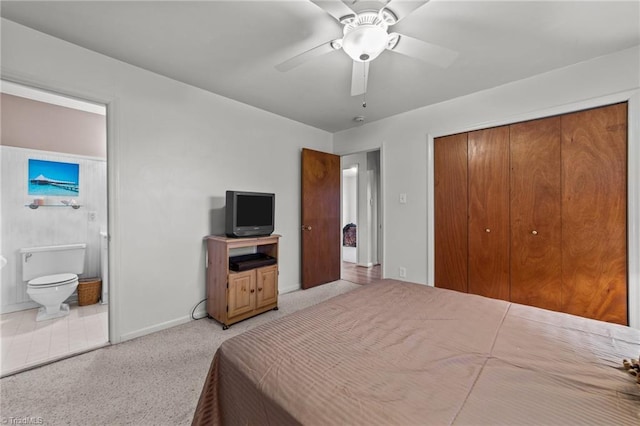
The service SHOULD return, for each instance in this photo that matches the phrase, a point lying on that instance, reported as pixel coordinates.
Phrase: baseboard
(200, 313)
(288, 289)
(7, 309)
(159, 327)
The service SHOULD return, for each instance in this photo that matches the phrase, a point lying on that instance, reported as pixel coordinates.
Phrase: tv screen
(249, 214)
(254, 210)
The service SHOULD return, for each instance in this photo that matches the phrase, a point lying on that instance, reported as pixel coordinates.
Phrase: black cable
(196, 307)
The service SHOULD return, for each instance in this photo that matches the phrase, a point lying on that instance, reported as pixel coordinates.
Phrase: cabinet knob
(259, 288)
(253, 290)
(534, 232)
(487, 230)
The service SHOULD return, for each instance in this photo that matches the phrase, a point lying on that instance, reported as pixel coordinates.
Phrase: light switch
(403, 198)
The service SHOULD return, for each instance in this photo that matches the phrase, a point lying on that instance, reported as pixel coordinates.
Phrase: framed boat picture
(53, 178)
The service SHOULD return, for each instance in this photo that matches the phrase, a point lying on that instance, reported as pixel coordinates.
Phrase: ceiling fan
(366, 36)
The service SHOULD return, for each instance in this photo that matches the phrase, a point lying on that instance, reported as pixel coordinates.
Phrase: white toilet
(52, 276)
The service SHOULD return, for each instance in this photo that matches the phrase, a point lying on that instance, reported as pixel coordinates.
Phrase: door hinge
(227, 308)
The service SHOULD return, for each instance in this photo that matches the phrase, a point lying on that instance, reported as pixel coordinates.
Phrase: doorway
(57, 134)
(361, 237)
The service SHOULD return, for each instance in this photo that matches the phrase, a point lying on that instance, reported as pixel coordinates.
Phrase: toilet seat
(52, 280)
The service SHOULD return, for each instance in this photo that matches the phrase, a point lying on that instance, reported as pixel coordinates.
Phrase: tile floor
(26, 343)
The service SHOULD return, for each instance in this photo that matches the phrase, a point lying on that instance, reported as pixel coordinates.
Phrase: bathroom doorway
(361, 217)
(54, 197)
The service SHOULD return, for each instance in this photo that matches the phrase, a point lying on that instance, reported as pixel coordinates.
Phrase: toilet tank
(41, 261)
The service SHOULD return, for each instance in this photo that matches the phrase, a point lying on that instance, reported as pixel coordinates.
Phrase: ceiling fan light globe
(365, 42)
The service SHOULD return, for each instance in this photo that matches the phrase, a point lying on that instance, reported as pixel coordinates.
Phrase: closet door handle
(534, 232)
(487, 230)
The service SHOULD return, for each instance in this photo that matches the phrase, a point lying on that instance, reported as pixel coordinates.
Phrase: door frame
(633, 183)
(112, 119)
(362, 176)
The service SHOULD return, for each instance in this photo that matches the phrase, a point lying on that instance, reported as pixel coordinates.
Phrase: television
(249, 214)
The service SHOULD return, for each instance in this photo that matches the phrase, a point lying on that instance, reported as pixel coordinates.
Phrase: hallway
(359, 274)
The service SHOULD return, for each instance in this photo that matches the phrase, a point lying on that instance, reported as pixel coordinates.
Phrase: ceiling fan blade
(359, 77)
(335, 8)
(402, 8)
(427, 52)
(291, 63)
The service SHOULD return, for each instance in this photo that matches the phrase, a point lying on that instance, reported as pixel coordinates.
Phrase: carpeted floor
(155, 379)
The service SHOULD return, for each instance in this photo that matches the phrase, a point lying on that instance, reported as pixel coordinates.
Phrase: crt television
(249, 214)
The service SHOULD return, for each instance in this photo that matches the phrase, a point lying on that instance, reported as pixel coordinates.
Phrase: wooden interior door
(488, 157)
(594, 212)
(321, 176)
(536, 219)
(451, 216)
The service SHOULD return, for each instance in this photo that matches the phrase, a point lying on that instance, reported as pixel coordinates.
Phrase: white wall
(173, 150)
(349, 199)
(407, 142)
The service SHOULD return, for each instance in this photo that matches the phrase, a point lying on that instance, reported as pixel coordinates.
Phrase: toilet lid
(58, 279)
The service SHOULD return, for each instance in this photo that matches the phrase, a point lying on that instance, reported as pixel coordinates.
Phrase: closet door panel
(488, 226)
(594, 210)
(450, 206)
(536, 226)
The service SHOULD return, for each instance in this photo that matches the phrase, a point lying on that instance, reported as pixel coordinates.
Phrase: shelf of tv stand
(234, 296)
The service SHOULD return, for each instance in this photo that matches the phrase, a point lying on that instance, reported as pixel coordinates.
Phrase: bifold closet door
(536, 223)
(450, 207)
(594, 212)
(488, 226)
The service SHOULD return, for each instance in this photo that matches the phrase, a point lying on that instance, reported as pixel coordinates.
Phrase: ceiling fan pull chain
(364, 85)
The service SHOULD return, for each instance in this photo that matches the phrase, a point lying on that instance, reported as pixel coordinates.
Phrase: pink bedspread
(394, 353)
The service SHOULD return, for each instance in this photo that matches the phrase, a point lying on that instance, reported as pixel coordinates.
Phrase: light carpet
(155, 379)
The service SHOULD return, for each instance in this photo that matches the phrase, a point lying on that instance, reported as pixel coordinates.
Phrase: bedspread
(395, 353)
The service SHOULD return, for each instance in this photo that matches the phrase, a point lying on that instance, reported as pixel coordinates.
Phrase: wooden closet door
(536, 226)
(450, 206)
(488, 157)
(594, 211)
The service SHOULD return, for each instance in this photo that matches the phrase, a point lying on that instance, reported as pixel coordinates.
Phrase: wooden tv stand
(234, 296)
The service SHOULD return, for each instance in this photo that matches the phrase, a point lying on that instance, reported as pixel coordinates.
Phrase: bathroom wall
(26, 227)
(28, 123)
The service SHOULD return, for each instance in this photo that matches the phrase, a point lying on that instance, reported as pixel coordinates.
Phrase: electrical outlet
(403, 198)
(402, 272)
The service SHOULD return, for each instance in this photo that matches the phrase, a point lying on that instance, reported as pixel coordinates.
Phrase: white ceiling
(231, 47)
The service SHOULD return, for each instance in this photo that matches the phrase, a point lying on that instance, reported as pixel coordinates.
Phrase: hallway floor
(359, 274)
(27, 343)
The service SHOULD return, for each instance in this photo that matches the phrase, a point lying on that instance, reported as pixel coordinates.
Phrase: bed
(395, 353)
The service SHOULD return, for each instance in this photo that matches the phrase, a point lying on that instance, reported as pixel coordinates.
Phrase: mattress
(395, 353)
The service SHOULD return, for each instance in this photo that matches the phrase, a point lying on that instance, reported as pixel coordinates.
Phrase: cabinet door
(488, 157)
(594, 211)
(450, 205)
(241, 294)
(266, 286)
(536, 226)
